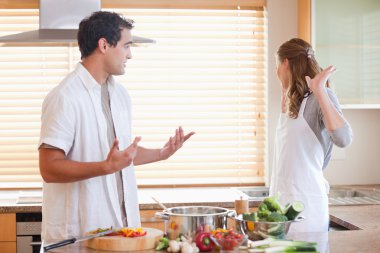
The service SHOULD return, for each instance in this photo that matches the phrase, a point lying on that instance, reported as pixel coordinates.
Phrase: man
(86, 153)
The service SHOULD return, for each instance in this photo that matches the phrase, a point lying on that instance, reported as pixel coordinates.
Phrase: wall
(357, 164)
(282, 26)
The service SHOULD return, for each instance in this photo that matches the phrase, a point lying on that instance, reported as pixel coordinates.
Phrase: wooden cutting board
(119, 243)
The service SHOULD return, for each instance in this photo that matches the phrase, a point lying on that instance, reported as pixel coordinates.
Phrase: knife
(76, 239)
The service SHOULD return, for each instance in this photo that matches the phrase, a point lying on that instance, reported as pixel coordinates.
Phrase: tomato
(227, 239)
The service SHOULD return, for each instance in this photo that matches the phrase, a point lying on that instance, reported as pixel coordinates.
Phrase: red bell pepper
(203, 242)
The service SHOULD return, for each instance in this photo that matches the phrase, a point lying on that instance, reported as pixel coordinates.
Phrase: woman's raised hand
(318, 83)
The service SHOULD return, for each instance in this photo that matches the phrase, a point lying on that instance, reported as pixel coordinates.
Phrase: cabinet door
(8, 232)
(347, 36)
(8, 227)
(8, 247)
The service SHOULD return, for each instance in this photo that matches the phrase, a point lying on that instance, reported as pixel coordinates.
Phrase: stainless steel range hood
(59, 22)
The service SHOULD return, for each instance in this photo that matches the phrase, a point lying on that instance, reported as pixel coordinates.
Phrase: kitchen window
(206, 72)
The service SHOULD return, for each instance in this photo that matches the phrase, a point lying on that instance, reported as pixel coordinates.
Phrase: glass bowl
(258, 230)
(229, 243)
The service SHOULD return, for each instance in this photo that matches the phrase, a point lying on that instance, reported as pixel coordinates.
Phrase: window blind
(206, 73)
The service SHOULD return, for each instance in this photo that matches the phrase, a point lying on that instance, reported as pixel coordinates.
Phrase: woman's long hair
(302, 63)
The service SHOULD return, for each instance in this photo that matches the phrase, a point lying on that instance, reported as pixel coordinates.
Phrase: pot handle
(299, 218)
(162, 215)
(231, 214)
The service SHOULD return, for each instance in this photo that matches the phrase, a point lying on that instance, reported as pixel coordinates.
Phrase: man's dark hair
(101, 24)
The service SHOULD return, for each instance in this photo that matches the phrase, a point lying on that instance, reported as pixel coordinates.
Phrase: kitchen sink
(253, 192)
(346, 193)
(353, 196)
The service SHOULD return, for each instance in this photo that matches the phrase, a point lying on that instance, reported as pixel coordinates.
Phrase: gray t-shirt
(342, 137)
(106, 107)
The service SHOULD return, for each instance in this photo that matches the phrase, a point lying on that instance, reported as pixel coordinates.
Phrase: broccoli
(250, 216)
(254, 216)
(276, 217)
(163, 243)
(247, 216)
(274, 204)
(263, 211)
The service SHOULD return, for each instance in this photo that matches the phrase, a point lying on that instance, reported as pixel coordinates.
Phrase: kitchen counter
(365, 219)
(333, 242)
(349, 217)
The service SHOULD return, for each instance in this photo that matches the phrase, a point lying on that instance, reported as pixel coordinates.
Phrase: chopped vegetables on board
(125, 232)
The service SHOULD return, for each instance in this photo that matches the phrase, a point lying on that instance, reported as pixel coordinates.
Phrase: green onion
(292, 243)
(271, 245)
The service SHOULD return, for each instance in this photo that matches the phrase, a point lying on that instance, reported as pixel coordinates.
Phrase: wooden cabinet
(304, 20)
(345, 33)
(8, 232)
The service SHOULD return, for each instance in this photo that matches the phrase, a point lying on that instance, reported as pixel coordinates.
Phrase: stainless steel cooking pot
(189, 220)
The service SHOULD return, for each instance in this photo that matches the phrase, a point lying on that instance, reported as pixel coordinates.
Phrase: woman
(311, 121)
